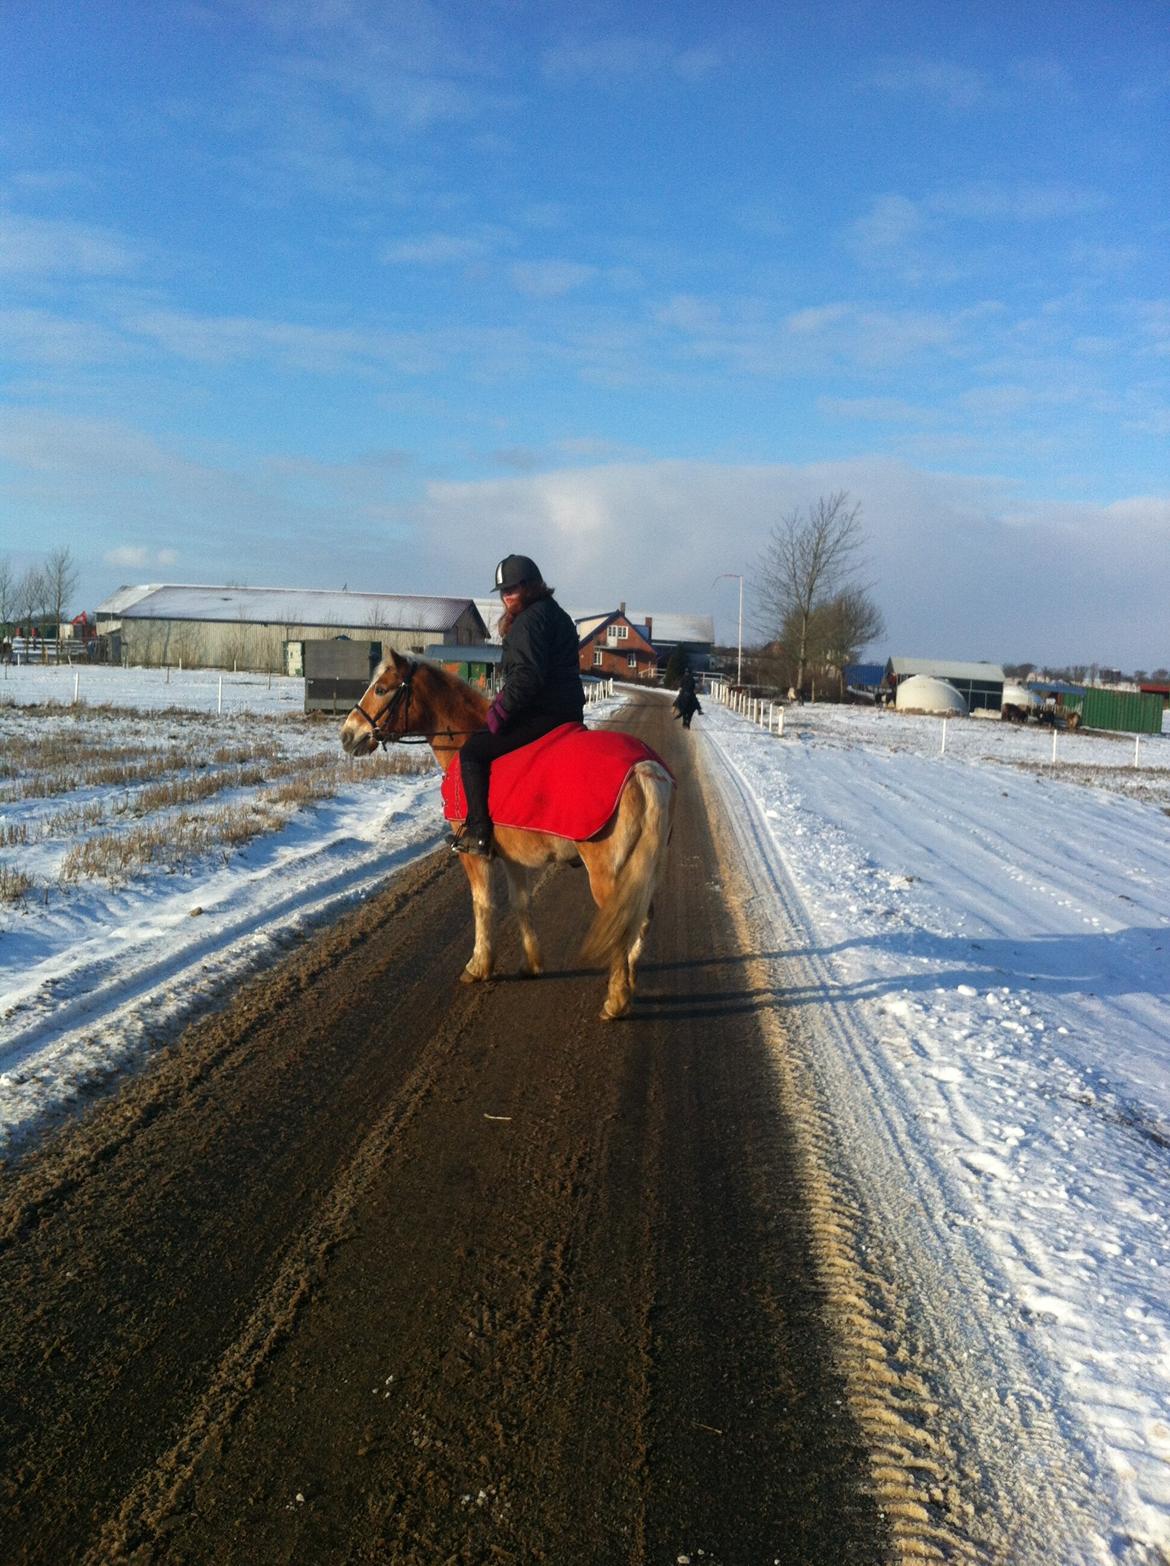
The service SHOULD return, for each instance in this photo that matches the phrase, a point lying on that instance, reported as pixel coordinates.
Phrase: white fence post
(77, 687)
(1137, 740)
(943, 749)
(219, 699)
(1053, 744)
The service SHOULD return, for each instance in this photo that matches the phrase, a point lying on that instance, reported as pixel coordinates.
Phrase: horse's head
(383, 711)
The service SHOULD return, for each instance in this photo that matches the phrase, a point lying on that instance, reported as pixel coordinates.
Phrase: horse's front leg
(479, 878)
(520, 896)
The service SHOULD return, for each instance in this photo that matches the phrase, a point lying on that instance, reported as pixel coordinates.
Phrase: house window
(632, 660)
(619, 633)
(598, 657)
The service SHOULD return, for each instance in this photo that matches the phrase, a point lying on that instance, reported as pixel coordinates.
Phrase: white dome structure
(924, 693)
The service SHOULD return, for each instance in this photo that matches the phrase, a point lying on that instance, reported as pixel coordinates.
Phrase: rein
(401, 700)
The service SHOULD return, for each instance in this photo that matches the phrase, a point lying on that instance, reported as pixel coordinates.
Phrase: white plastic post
(1054, 746)
(77, 688)
(780, 724)
(1137, 740)
(219, 699)
(943, 750)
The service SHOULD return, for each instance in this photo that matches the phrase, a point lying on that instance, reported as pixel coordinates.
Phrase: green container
(1125, 712)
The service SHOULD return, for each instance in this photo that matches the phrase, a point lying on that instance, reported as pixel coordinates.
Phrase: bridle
(400, 702)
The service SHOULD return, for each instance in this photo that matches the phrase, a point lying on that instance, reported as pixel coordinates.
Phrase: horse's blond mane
(464, 697)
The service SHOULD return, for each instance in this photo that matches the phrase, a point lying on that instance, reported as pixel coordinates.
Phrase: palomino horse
(625, 860)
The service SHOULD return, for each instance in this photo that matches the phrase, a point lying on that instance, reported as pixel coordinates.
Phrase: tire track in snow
(972, 1456)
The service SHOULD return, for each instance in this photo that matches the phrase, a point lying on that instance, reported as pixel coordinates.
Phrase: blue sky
(313, 292)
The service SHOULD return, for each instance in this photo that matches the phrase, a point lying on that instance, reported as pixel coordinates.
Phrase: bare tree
(7, 593)
(810, 559)
(59, 576)
(845, 625)
(30, 598)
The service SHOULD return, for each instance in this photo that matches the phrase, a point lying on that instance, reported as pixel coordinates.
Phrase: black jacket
(539, 667)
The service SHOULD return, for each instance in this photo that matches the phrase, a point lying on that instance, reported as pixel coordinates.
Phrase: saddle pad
(567, 782)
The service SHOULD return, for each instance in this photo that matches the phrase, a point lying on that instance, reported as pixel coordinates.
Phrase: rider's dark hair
(530, 593)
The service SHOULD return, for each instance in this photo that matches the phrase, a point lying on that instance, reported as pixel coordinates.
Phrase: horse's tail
(642, 838)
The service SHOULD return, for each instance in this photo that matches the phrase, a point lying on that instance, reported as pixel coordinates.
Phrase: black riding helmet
(514, 571)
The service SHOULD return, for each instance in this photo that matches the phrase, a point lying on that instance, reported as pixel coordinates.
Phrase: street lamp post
(739, 657)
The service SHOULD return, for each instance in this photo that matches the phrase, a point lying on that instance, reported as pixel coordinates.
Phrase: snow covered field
(997, 926)
(998, 931)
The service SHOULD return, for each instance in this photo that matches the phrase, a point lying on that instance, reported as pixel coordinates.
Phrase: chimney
(621, 608)
(649, 627)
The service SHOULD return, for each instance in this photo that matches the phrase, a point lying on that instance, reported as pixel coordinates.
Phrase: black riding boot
(473, 838)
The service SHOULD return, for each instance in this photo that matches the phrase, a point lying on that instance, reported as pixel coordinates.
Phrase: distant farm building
(979, 684)
(262, 628)
(864, 679)
(923, 693)
(613, 646)
(693, 634)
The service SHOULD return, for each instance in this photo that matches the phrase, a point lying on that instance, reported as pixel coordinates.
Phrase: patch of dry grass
(15, 885)
(153, 781)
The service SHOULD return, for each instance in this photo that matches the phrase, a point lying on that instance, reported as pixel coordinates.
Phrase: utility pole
(739, 657)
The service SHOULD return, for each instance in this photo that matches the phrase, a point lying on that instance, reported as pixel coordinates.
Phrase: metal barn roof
(947, 669)
(284, 606)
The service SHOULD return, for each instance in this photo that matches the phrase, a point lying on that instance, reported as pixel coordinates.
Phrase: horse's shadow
(1132, 961)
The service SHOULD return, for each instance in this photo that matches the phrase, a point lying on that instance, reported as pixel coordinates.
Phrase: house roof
(284, 606)
(947, 669)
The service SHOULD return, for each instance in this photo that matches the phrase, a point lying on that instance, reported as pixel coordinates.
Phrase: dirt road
(376, 1267)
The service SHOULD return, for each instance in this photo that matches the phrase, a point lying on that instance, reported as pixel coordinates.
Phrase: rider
(541, 689)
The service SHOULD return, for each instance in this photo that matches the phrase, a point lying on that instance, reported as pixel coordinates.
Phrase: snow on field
(1000, 930)
(997, 923)
(94, 972)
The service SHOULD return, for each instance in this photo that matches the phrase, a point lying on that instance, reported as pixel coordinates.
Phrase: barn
(979, 684)
(253, 627)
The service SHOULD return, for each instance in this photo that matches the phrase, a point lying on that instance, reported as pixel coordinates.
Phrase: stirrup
(477, 841)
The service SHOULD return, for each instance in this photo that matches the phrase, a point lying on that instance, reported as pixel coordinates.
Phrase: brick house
(612, 646)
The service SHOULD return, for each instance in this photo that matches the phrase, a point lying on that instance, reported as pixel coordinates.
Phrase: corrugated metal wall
(1125, 712)
(239, 645)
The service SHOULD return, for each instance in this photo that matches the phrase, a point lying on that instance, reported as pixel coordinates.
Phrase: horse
(625, 861)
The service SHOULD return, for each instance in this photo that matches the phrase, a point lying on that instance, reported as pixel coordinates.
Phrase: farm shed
(979, 684)
(1120, 712)
(478, 663)
(337, 672)
(249, 627)
(864, 679)
(923, 693)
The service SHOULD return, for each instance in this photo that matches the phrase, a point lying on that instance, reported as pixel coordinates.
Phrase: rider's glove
(496, 716)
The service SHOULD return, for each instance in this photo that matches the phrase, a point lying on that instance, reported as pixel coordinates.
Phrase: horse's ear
(399, 663)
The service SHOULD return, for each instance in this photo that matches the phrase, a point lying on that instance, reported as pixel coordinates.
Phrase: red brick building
(613, 647)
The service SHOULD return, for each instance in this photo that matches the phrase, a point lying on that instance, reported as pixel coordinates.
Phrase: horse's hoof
(469, 976)
(605, 1015)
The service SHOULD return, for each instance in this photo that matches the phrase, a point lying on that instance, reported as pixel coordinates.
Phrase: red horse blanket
(567, 782)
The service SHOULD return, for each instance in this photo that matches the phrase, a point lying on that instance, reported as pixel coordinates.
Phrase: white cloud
(41, 247)
(944, 82)
(440, 249)
(995, 201)
(940, 549)
(130, 555)
(551, 279)
(623, 58)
